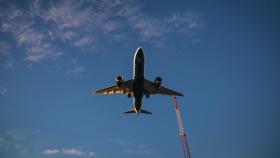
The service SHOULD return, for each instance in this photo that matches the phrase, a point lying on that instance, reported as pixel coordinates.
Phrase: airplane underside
(138, 85)
(137, 112)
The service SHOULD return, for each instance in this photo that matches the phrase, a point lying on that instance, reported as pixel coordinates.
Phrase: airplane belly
(137, 103)
(138, 85)
(139, 70)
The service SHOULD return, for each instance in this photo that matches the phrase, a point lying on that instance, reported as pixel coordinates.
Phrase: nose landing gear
(147, 96)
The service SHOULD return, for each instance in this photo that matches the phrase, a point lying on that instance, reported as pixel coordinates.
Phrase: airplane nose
(139, 55)
(139, 51)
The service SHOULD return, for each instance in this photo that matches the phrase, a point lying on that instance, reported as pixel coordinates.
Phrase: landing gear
(147, 96)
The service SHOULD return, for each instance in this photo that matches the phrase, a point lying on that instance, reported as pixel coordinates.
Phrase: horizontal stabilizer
(130, 111)
(145, 112)
(135, 111)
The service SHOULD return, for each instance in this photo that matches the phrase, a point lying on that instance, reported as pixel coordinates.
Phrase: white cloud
(195, 41)
(9, 64)
(68, 14)
(18, 146)
(14, 141)
(83, 41)
(50, 151)
(148, 28)
(121, 142)
(139, 152)
(72, 151)
(155, 29)
(68, 35)
(3, 144)
(16, 135)
(7, 144)
(91, 154)
(5, 56)
(134, 149)
(69, 151)
(145, 26)
(4, 48)
(70, 22)
(41, 51)
(184, 21)
(83, 23)
(25, 29)
(77, 152)
(74, 69)
(3, 90)
(2, 141)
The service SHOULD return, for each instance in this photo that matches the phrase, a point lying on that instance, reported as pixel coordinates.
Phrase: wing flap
(149, 88)
(125, 88)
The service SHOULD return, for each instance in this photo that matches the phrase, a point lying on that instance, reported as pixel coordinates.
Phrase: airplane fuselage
(138, 79)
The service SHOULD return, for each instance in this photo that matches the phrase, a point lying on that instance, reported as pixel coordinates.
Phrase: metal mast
(181, 130)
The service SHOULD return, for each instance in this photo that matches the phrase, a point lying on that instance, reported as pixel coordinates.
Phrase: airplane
(138, 85)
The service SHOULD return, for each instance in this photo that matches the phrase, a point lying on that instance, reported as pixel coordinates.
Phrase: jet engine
(119, 81)
(158, 82)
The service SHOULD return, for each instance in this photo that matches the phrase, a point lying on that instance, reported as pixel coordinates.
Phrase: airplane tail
(145, 112)
(135, 111)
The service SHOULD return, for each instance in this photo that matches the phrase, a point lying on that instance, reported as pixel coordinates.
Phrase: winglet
(180, 94)
(93, 93)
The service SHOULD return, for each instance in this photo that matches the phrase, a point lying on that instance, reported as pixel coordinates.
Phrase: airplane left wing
(149, 88)
(125, 88)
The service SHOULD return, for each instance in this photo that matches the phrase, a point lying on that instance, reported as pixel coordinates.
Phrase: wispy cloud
(11, 145)
(148, 28)
(86, 40)
(16, 135)
(3, 90)
(4, 49)
(152, 28)
(134, 149)
(77, 152)
(140, 150)
(70, 151)
(68, 15)
(28, 33)
(70, 22)
(84, 24)
(121, 142)
(185, 21)
(5, 56)
(2, 142)
(74, 69)
(14, 141)
(50, 151)
(9, 64)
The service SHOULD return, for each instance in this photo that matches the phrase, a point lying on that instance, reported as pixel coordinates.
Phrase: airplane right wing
(125, 88)
(149, 88)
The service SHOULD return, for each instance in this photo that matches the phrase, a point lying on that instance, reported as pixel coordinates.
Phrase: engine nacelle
(158, 82)
(119, 81)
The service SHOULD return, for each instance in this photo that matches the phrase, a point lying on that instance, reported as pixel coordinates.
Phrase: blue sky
(223, 55)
